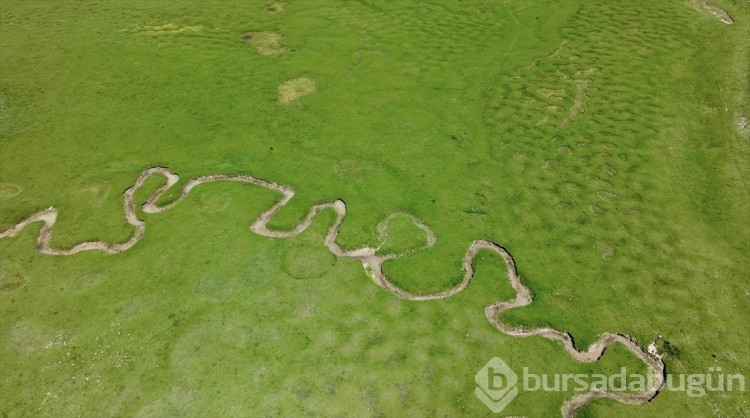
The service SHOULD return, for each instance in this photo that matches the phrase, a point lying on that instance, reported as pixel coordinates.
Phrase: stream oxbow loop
(372, 262)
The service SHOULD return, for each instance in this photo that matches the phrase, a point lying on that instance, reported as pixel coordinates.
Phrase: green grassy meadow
(604, 144)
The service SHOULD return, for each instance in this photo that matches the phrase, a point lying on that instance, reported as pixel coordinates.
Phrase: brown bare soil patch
(291, 90)
(266, 43)
(276, 8)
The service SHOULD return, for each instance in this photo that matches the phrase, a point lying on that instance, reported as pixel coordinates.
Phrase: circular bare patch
(8, 190)
(276, 8)
(266, 43)
(12, 277)
(291, 90)
(307, 263)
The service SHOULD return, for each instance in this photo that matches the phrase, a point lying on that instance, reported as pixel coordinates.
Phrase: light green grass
(627, 215)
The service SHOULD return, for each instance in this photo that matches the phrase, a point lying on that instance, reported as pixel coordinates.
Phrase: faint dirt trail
(371, 261)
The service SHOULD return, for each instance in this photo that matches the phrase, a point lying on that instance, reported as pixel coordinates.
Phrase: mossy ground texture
(604, 144)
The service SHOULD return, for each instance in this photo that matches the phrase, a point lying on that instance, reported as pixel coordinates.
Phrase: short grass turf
(605, 144)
